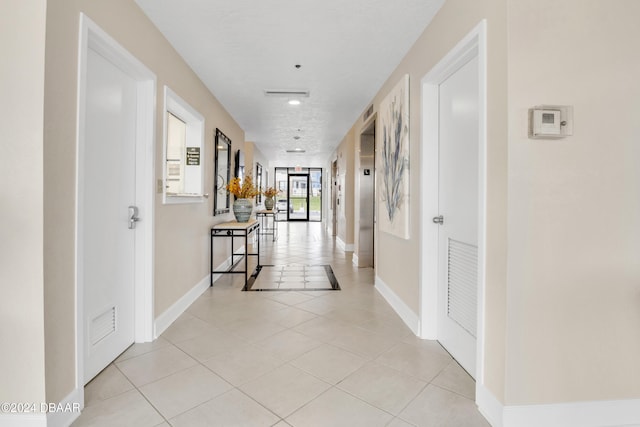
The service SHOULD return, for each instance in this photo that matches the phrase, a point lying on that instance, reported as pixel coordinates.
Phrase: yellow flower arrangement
(270, 192)
(246, 190)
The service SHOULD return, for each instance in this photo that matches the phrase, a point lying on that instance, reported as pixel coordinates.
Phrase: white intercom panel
(550, 121)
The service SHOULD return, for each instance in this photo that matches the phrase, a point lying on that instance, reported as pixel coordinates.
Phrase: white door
(108, 189)
(458, 207)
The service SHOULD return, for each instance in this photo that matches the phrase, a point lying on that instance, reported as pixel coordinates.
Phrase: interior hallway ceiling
(346, 50)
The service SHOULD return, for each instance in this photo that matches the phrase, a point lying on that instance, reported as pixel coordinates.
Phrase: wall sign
(193, 156)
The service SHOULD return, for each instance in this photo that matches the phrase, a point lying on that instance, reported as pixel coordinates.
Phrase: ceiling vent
(286, 93)
(297, 150)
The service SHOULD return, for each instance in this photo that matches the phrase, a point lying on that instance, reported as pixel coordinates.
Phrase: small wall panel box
(550, 121)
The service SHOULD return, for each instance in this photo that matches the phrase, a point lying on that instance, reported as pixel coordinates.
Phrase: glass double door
(300, 197)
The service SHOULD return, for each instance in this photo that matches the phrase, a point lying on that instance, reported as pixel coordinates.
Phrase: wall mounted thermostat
(550, 121)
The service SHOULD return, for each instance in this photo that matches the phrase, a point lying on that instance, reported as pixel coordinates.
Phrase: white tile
(129, 409)
(413, 360)
(457, 380)
(336, 408)
(254, 329)
(243, 364)
(361, 341)
(154, 365)
(329, 363)
(184, 390)
(438, 407)
(230, 409)
(285, 389)
(291, 316)
(186, 327)
(138, 349)
(288, 344)
(108, 383)
(383, 387)
(206, 346)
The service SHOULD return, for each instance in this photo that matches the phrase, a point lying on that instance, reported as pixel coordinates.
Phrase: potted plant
(244, 191)
(269, 194)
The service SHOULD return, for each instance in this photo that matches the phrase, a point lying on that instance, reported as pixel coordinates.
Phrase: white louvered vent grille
(462, 288)
(103, 325)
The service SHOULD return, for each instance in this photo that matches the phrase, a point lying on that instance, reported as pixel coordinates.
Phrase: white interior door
(458, 206)
(107, 191)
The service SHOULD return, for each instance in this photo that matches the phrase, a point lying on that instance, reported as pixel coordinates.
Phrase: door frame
(298, 174)
(473, 44)
(94, 38)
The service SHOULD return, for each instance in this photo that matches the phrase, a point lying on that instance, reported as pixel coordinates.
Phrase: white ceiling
(240, 48)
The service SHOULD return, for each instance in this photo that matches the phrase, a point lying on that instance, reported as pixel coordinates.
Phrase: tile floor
(307, 358)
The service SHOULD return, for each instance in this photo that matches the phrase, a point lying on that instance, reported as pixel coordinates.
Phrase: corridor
(286, 358)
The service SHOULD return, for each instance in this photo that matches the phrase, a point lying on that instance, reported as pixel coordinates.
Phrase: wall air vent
(286, 93)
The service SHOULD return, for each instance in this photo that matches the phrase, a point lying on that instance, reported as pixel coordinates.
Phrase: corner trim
(599, 413)
(48, 419)
(407, 315)
(171, 314)
(355, 260)
(66, 418)
(345, 247)
(489, 406)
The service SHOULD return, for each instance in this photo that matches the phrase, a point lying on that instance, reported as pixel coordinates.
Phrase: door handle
(133, 217)
(438, 220)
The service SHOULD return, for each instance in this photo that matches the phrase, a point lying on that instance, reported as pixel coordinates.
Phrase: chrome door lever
(438, 220)
(133, 217)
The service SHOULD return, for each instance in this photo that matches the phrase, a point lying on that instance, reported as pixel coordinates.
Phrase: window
(183, 151)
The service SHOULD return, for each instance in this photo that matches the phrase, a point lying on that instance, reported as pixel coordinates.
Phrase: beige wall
(574, 203)
(181, 231)
(398, 260)
(22, 34)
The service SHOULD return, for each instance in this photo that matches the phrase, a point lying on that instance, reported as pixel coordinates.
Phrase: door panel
(298, 206)
(458, 205)
(108, 158)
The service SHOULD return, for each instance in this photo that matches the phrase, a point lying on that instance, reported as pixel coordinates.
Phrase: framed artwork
(393, 161)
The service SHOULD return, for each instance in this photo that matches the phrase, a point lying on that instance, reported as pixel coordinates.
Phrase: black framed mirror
(222, 173)
(259, 182)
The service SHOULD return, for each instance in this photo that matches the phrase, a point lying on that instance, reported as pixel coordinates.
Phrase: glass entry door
(298, 200)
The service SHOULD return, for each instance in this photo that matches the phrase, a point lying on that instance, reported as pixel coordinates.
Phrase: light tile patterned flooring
(314, 358)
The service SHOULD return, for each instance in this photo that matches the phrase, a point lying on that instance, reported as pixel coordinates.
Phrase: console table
(264, 216)
(231, 230)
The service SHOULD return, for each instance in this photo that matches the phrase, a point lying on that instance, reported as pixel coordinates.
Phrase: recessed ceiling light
(294, 102)
(296, 150)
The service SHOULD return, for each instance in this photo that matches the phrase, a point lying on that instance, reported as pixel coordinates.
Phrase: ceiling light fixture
(294, 102)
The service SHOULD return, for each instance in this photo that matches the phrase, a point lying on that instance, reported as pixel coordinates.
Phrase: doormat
(293, 277)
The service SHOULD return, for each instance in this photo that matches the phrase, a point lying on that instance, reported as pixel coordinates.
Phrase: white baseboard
(23, 420)
(52, 415)
(602, 413)
(342, 245)
(68, 410)
(489, 406)
(171, 314)
(410, 318)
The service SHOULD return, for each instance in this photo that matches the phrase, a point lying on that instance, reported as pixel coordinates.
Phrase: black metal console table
(263, 216)
(232, 230)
